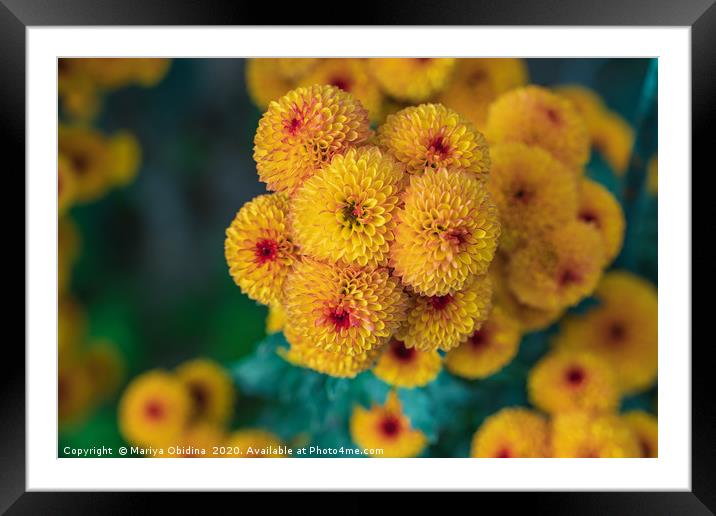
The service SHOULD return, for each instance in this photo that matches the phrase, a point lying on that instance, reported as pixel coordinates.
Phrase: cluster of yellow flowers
(186, 413)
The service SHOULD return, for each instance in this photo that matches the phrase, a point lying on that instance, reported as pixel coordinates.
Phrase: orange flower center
(390, 426)
(154, 410)
(503, 453)
(266, 251)
(568, 277)
(616, 333)
(199, 396)
(402, 353)
(480, 339)
(340, 317)
(553, 116)
(440, 302)
(341, 82)
(575, 376)
(589, 218)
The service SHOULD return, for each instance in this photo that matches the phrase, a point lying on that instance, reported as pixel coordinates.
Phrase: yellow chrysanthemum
(71, 325)
(646, 429)
(411, 79)
(623, 329)
(476, 83)
(536, 116)
(258, 247)
(652, 178)
(65, 184)
(77, 90)
(573, 380)
(339, 364)
(488, 349)
(401, 366)
(197, 442)
(431, 136)
(276, 319)
(559, 269)
(249, 443)
(350, 75)
(74, 392)
(125, 153)
(598, 207)
(343, 308)
(446, 232)
(347, 210)
(512, 433)
(265, 82)
(106, 368)
(68, 248)
(534, 192)
(386, 430)
(443, 322)
(154, 409)
(303, 130)
(589, 435)
(210, 388)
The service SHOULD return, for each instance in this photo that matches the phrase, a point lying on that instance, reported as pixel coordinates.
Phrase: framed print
(374, 257)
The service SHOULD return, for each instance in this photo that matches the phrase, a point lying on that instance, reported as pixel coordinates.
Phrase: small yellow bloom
(303, 130)
(126, 154)
(276, 319)
(154, 409)
(210, 388)
(443, 322)
(536, 116)
(598, 207)
(401, 366)
(431, 136)
(512, 433)
(575, 380)
(386, 430)
(197, 442)
(411, 79)
(589, 435)
(446, 233)
(249, 443)
(347, 210)
(646, 429)
(488, 349)
(258, 247)
(105, 367)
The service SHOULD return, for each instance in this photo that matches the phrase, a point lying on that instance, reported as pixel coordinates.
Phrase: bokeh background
(151, 273)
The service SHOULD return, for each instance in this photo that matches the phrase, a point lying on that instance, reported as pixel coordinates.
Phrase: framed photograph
(377, 257)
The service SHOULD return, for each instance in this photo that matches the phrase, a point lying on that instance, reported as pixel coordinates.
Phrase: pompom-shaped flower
(646, 429)
(350, 75)
(401, 366)
(488, 349)
(597, 206)
(154, 409)
(346, 211)
(534, 192)
(512, 433)
(476, 83)
(343, 308)
(589, 435)
(303, 130)
(254, 443)
(566, 381)
(443, 322)
(446, 233)
(431, 136)
(258, 247)
(536, 116)
(559, 269)
(411, 80)
(386, 430)
(622, 328)
(210, 388)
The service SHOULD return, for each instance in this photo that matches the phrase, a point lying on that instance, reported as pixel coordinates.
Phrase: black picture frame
(17, 15)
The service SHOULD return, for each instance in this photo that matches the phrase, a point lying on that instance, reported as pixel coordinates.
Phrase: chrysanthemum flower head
(536, 116)
(346, 211)
(125, 154)
(592, 435)
(623, 329)
(401, 366)
(154, 409)
(210, 388)
(646, 429)
(576, 380)
(343, 308)
(303, 130)
(89, 158)
(559, 269)
(476, 83)
(443, 322)
(598, 207)
(350, 75)
(258, 247)
(534, 192)
(431, 136)
(276, 318)
(411, 80)
(446, 233)
(253, 443)
(512, 433)
(386, 430)
(74, 392)
(106, 368)
(488, 349)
